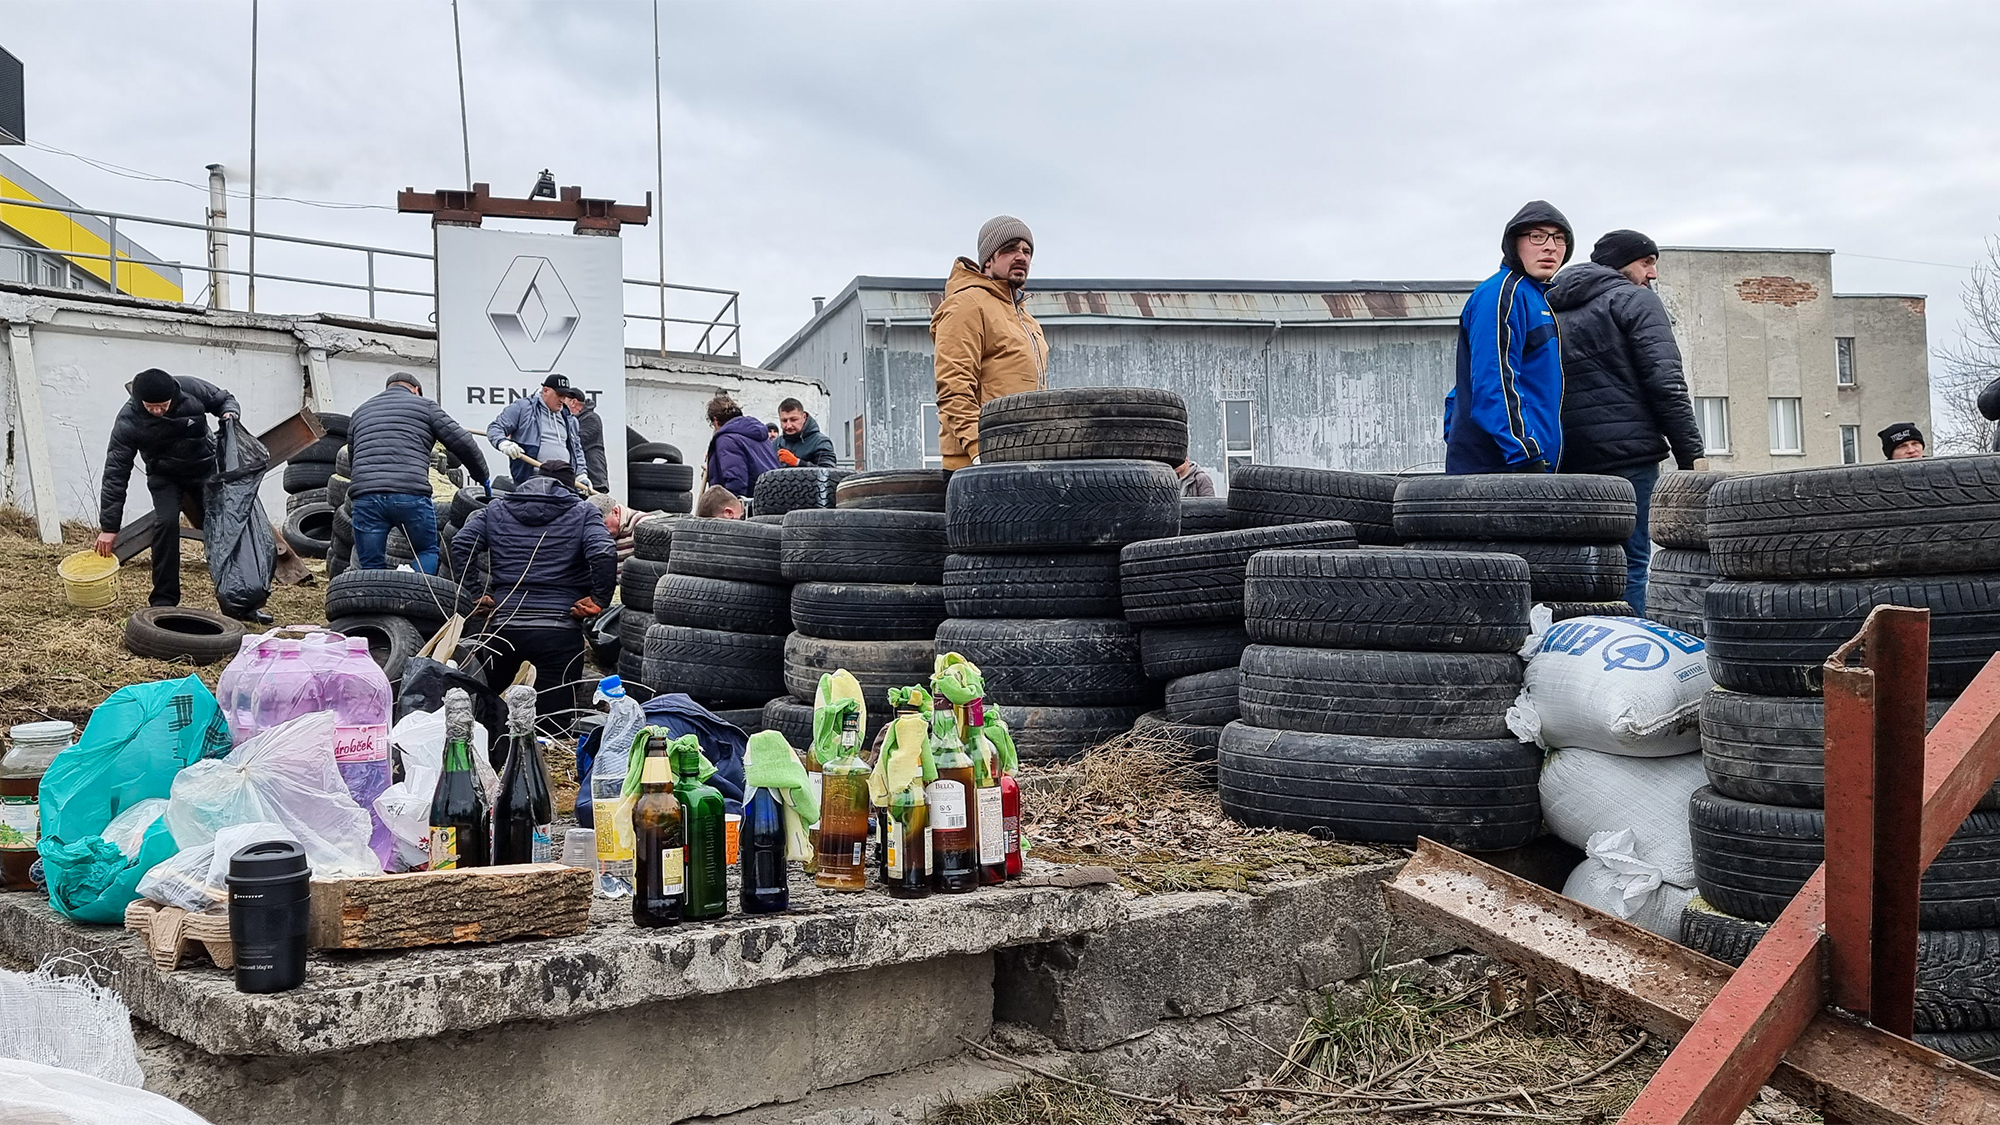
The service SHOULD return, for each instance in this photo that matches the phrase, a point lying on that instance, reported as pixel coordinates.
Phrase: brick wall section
(1914, 306)
(1785, 291)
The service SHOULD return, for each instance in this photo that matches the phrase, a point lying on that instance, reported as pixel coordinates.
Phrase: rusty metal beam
(1961, 759)
(454, 205)
(1850, 1071)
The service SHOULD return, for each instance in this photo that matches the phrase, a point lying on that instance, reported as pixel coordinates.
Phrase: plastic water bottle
(612, 812)
(352, 686)
(234, 687)
(287, 688)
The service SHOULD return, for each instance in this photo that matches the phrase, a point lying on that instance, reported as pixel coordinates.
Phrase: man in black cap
(1625, 402)
(1902, 442)
(542, 428)
(165, 421)
(590, 426)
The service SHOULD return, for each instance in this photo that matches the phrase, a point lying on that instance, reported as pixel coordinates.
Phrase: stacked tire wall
(1682, 570)
(1570, 530)
(720, 613)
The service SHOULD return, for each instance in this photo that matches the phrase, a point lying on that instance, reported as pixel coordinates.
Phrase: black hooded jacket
(1534, 213)
(548, 547)
(177, 446)
(1624, 400)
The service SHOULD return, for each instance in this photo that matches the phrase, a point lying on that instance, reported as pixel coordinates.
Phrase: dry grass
(1040, 1102)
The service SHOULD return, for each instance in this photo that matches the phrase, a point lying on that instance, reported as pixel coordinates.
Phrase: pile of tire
(397, 611)
(656, 480)
(1682, 570)
(1803, 556)
(1067, 479)
(784, 490)
(720, 608)
(1571, 531)
(311, 478)
(1373, 698)
(909, 490)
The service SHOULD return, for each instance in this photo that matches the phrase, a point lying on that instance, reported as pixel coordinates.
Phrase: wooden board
(443, 907)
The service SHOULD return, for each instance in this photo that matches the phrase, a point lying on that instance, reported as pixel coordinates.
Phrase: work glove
(585, 607)
(1538, 465)
(583, 482)
(484, 607)
(511, 448)
(787, 458)
(229, 416)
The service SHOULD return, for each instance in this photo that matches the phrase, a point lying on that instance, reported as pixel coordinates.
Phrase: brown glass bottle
(909, 838)
(954, 832)
(845, 815)
(659, 835)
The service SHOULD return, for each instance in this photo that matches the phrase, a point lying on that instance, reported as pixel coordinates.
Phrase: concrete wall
(1891, 366)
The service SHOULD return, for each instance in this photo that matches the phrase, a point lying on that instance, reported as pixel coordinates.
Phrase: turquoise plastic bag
(135, 743)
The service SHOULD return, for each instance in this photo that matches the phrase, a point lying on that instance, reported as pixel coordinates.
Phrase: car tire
(1084, 423)
(391, 640)
(1052, 662)
(712, 665)
(309, 531)
(912, 490)
(1084, 584)
(876, 665)
(1414, 601)
(170, 632)
(1063, 734)
(1061, 506)
(1263, 495)
(423, 598)
(1557, 571)
(1772, 638)
(1931, 516)
(1518, 506)
(863, 545)
(1450, 695)
(1679, 516)
(866, 611)
(639, 582)
(1169, 652)
(788, 490)
(735, 549)
(1195, 578)
(1203, 699)
(1203, 514)
(721, 604)
(1770, 750)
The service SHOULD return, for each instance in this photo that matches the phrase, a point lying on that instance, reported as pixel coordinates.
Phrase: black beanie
(1897, 434)
(1620, 248)
(155, 385)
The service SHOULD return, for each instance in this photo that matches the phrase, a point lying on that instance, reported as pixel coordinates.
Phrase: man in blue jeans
(389, 440)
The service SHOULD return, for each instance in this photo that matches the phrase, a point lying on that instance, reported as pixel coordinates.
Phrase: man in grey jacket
(540, 427)
(389, 441)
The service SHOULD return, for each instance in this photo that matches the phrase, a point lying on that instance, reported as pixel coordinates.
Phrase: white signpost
(514, 308)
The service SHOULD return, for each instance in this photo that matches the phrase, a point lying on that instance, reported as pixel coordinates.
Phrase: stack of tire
(638, 583)
(309, 503)
(1373, 698)
(395, 610)
(1067, 479)
(1571, 531)
(1682, 569)
(784, 490)
(1803, 556)
(720, 614)
(868, 597)
(909, 490)
(655, 478)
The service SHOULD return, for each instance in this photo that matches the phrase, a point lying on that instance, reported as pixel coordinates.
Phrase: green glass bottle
(659, 843)
(461, 825)
(705, 821)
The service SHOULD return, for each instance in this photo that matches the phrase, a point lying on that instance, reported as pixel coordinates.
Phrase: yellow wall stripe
(57, 231)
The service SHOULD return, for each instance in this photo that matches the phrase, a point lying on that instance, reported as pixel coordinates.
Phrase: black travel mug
(270, 899)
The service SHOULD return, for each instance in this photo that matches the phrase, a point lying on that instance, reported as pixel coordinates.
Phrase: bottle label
(992, 827)
(673, 877)
(543, 848)
(947, 801)
(20, 822)
(614, 830)
(1013, 834)
(367, 743)
(444, 848)
(816, 781)
(895, 854)
(857, 853)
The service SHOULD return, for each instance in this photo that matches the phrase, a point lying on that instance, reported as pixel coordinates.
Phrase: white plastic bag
(194, 879)
(1587, 794)
(127, 830)
(1616, 881)
(406, 806)
(285, 775)
(1617, 685)
(52, 1095)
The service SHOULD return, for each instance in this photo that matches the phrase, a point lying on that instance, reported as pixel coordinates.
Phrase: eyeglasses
(1544, 237)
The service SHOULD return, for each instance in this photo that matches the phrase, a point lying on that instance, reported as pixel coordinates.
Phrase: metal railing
(718, 332)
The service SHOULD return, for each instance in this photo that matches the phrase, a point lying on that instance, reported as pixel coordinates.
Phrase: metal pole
(371, 285)
(464, 133)
(218, 242)
(253, 155)
(114, 255)
(660, 168)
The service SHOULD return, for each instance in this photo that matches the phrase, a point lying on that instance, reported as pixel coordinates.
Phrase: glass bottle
(954, 834)
(703, 816)
(524, 810)
(461, 828)
(989, 813)
(762, 883)
(846, 816)
(909, 843)
(659, 842)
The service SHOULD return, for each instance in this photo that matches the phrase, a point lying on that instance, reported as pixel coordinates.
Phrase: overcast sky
(809, 143)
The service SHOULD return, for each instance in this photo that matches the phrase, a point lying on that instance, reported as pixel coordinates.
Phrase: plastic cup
(269, 906)
(732, 832)
(580, 848)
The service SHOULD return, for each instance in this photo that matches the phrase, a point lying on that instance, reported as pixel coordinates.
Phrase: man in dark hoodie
(1625, 403)
(800, 441)
(739, 452)
(1504, 412)
(165, 421)
(553, 568)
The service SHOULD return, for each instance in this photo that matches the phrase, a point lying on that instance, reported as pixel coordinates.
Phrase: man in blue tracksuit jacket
(1505, 413)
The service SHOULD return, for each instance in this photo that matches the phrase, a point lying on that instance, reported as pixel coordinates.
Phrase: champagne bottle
(524, 810)
(461, 827)
(703, 816)
(659, 842)
(954, 833)
(846, 817)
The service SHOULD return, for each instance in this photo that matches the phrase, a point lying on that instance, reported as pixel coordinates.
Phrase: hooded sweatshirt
(1624, 401)
(986, 345)
(738, 454)
(548, 547)
(177, 447)
(1504, 412)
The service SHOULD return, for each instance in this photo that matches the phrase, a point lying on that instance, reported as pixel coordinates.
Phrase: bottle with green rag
(702, 814)
(901, 773)
(845, 811)
(778, 807)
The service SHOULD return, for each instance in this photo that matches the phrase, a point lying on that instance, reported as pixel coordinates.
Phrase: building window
(1843, 362)
(1850, 445)
(927, 418)
(1712, 415)
(847, 438)
(52, 274)
(1785, 430)
(1239, 442)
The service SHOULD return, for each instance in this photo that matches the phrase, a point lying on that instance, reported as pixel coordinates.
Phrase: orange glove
(483, 607)
(585, 606)
(787, 458)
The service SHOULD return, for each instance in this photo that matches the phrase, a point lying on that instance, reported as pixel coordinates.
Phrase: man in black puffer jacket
(554, 565)
(389, 441)
(1624, 400)
(166, 421)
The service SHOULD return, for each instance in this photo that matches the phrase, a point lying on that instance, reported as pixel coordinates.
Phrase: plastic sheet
(194, 879)
(49, 1095)
(236, 534)
(287, 775)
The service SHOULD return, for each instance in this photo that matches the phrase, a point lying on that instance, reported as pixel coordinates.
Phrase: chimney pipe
(819, 305)
(218, 242)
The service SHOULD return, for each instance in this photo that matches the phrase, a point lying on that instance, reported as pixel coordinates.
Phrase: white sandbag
(1585, 794)
(1617, 685)
(52, 1095)
(1612, 880)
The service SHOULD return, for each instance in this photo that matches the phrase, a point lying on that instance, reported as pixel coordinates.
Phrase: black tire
(1167, 653)
(632, 626)
(336, 490)
(650, 500)
(1052, 662)
(1411, 601)
(641, 451)
(466, 501)
(749, 720)
(1192, 578)
(711, 665)
(423, 598)
(325, 450)
(1084, 584)
(1204, 699)
(296, 500)
(788, 490)
(653, 540)
(632, 670)
(659, 476)
(1203, 514)
(1262, 495)
(914, 490)
(1937, 516)
(794, 720)
(864, 611)
(343, 462)
(1771, 638)
(1198, 740)
(720, 603)
(719, 548)
(1075, 423)
(168, 632)
(303, 475)
(1563, 611)
(1580, 509)
(1061, 506)
(309, 531)
(333, 423)
(1063, 734)
(1450, 695)
(343, 522)
(1675, 585)
(1557, 571)
(340, 556)
(1679, 516)
(1978, 1048)
(774, 520)
(1750, 859)
(876, 665)
(864, 545)
(1770, 749)
(604, 635)
(502, 482)
(391, 640)
(638, 582)
(1471, 795)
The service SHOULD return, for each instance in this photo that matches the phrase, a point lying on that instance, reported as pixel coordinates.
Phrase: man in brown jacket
(986, 343)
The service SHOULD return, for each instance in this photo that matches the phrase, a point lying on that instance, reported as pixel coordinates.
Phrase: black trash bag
(423, 686)
(242, 549)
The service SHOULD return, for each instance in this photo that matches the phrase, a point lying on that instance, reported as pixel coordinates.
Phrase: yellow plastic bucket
(90, 580)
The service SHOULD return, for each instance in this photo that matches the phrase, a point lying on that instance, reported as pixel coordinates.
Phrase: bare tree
(1971, 363)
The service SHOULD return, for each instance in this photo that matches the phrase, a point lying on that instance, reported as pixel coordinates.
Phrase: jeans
(377, 512)
(1639, 548)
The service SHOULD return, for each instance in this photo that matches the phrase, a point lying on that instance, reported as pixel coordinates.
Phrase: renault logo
(533, 314)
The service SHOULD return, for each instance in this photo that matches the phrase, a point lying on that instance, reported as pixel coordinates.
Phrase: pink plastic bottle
(238, 682)
(287, 688)
(352, 686)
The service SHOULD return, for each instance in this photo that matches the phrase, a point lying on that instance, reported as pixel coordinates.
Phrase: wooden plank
(472, 904)
(28, 395)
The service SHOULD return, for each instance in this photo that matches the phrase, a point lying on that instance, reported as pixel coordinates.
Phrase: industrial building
(57, 250)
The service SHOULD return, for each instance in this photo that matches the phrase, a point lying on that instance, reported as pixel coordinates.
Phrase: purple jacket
(738, 454)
